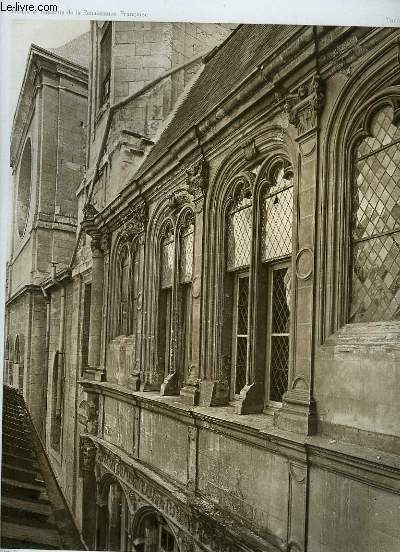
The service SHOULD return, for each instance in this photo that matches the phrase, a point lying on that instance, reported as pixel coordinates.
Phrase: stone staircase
(28, 517)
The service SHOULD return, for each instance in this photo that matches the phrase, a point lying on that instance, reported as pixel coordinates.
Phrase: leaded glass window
(279, 334)
(277, 214)
(375, 229)
(239, 230)
(241, 332)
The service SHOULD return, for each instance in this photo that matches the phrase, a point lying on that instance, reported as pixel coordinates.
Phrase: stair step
(17, 448)
(19, 440)
(14, 425)
(37, 535)
(18, 489)
(13, 544)
(24, 517)
(21, 474)
(20, 461)
(41, 508)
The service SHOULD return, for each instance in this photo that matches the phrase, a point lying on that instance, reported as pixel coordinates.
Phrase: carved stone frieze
(193, 524)
(305, 105)
(89, 212)
(133, 221)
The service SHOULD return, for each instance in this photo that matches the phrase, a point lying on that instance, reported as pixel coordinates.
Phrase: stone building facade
(224, 342)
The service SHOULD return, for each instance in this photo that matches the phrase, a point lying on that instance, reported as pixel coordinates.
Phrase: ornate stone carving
(88, 414)
(87, 456)
(178, 199)
(89, 212)
(189, 517)
(197, 178)
(305, 105)
(250, 149)
(133, 221)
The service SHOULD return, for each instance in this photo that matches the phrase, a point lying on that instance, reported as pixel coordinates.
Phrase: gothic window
(238, 254)
(128, 284)
(167, 260)
(123, 318)
(105, 65)
(276, 248)
(175, 301)
(185, 293)
(258, 248)
(375, 223)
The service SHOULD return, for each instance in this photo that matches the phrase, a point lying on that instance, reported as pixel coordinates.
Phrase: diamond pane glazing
(280, 303)
(243, 301)
(167, 261)
(376, 224)
(276, 225)
(376, 193)
(383, 132)
(186, 253)
(279, 367)
(376, 279)
(239, 238)
(241, 363)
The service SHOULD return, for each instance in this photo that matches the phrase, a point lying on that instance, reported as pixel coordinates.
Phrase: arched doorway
(113, 519)
(151, 533)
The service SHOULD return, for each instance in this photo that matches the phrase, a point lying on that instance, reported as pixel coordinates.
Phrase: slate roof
(245, 49)
(76, 50)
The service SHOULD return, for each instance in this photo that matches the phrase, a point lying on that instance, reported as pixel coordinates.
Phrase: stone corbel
(305, 105)
(178, 199)
(197, 178)
(250, 150)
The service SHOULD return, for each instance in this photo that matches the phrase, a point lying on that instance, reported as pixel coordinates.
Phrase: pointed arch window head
(277, 212)
(375, 222)
(239, 226)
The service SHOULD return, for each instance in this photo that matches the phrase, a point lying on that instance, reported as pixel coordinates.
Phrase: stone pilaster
(303, 107)
(197, 184)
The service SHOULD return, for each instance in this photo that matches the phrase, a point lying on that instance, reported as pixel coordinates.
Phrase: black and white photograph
(201, 291)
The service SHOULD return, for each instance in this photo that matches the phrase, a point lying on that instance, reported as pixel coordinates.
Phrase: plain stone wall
(349, 516)
(245, 480)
